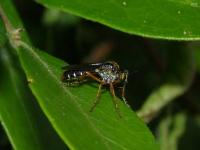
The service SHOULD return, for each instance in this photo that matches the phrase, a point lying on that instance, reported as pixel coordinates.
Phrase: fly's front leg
(123, 95)
(115, 100)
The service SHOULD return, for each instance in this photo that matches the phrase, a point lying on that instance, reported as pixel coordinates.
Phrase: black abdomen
(73, 76)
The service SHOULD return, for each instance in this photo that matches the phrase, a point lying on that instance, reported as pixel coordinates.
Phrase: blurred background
(150, 63)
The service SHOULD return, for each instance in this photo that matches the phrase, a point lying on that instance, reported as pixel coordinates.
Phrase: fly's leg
(125, 73)
(97, 98)
(123, 95)
(93, 77)
(114, 100)
(99, 90)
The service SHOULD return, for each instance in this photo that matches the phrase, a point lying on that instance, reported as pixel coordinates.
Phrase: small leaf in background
(190, 138)
(179, 76)
(170, 131)
(167, 19)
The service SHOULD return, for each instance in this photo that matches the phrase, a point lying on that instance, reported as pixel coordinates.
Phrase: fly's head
(124, 76)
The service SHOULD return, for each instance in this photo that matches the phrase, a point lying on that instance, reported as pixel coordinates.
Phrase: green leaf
(167, 19)
(179, 75)
(67, 108)
(20, 115)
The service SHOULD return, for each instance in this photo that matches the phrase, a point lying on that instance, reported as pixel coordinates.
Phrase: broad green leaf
(20, 116)
(166, 19)
(67, 108)
(179, 76)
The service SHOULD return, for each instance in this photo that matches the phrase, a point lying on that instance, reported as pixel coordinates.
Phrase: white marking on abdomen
(74, 75)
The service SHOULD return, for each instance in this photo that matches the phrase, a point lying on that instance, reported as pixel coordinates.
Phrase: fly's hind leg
(97, 98)
(115, 100)
(98, 92)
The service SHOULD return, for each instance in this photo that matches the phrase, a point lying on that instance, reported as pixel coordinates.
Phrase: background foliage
(163, 81)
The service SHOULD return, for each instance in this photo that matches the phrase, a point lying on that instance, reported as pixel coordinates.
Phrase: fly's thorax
(109, 77)
(108, 73)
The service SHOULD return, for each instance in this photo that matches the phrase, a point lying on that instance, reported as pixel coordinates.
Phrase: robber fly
(106, 74)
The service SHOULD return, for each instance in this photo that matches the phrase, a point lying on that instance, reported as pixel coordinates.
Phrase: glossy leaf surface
(166, 19)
